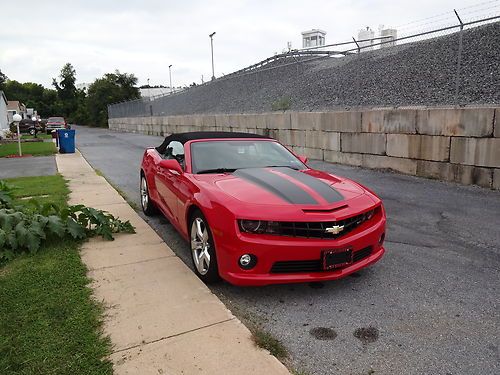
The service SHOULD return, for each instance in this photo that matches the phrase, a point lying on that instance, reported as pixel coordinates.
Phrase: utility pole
(212, 49)
(170, 75)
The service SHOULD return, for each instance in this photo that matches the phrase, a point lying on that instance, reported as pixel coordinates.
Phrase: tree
(3, 79)
(66, 90)
(111, 88)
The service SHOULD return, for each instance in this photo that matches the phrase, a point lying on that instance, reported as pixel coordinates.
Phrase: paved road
(29, 166)
(430, 306)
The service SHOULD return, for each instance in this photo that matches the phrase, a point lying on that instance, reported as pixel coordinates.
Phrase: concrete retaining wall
(460, 145)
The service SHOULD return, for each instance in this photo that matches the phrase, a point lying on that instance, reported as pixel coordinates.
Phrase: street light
(212, 49)
(170, 75)
(17, 117)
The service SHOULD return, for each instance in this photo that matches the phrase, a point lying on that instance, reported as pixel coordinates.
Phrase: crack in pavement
(144, 343)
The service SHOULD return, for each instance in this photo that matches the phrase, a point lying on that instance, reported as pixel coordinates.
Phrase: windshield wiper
(216, 170)
(281, 166)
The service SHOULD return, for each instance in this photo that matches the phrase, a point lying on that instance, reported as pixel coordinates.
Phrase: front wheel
(203, 250)
(148, 206)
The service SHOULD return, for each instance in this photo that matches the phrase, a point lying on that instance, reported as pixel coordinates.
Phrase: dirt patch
(366, 335)
(323, 333)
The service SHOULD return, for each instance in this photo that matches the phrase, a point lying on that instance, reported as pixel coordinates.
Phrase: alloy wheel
(200, 246)
(144, 194)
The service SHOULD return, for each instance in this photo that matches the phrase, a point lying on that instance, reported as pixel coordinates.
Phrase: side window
(175, 150)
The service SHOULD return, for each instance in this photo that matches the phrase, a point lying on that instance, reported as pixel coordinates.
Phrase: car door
(167, 181)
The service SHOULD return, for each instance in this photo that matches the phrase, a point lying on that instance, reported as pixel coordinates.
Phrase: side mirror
(303, 159)
(172, 165)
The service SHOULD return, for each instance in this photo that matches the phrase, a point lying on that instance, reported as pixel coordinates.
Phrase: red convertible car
(256, 214)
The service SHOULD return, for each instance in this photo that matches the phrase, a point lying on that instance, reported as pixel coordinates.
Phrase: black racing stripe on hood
(326, 191)
(277, 185)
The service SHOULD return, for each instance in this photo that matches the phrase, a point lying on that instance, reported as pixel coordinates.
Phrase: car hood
(283, 186)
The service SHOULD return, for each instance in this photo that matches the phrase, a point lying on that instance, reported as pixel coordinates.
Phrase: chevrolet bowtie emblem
(336, 229)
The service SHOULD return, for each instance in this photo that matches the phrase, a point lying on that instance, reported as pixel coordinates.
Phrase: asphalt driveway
(430, 306)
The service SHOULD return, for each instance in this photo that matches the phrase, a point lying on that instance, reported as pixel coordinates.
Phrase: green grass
(264, 339)
(44, 189)
(39, 136)
(49, 323)
(28, 148)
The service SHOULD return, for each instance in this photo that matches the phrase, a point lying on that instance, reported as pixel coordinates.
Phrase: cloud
(144, 37)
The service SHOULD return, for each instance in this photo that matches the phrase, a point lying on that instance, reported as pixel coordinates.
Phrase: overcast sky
(143, 37)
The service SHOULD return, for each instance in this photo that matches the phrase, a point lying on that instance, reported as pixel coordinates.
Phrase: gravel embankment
(420, 73)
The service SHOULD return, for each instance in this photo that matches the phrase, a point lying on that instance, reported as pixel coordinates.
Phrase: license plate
(336, 258)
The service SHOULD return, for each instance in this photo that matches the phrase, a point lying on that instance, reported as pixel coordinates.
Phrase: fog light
(248, 261)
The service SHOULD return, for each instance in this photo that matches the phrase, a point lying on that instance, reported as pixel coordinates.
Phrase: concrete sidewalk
(161, 318)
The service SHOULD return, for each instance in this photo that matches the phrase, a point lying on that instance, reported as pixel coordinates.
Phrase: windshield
(221, 156)
(55, 119)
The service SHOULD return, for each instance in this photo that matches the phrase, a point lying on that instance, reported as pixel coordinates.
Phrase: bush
(282, 104)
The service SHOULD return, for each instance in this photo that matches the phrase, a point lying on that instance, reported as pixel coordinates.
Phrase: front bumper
(270, 249)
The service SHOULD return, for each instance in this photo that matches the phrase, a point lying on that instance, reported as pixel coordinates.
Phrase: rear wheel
(203, 249)
(148, 206)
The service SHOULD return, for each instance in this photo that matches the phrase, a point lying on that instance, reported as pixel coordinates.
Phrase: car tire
(203, 252)
(148, 206)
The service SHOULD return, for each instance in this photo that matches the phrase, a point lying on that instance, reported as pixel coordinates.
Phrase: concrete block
(496, 179)
(401, 121)
(463, 122)
(483, 152)
(364, 143)
(278, 120)
(307, 120)
(251, 121)
(496, 125)
(313, 153)
(282, 135)
(347, 122)
(314, 138)
(463, 174)
(343, 158)
(406, 166)
(331, 141)
(298, 138)
(425, 147)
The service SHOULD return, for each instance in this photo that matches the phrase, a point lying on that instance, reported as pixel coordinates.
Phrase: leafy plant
(281, 104)
(6, 192)
(23, 229)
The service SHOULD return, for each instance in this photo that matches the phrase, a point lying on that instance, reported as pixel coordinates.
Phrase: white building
(390, 37)
(313, 38)
(365, 39)
(4, 121)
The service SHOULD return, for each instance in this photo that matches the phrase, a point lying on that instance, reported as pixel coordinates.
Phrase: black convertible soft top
(185, 137)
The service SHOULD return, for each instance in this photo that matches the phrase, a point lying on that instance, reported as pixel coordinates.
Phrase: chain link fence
(451, 45)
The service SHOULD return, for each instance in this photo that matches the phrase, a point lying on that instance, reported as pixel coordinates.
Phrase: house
(13, 107)
(4, 120)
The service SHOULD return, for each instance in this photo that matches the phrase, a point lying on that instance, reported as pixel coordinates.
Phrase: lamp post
(17, 117)
(170, 76)
(212, 49)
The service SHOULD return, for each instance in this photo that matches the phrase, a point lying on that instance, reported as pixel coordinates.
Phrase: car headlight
(258, 226)
(252, 226)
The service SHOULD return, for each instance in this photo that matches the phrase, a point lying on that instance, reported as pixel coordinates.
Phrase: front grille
(318, 229)
(298, 266)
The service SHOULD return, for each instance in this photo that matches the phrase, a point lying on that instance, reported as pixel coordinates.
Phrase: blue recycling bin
(66, 139)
